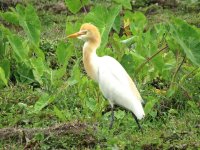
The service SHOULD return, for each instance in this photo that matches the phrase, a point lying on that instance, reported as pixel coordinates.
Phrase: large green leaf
(39, 53)
(58, 74)
(24, 73)
(3, 77)
(118, 48)
(20, 51)
(2, 44)
(5, 65)
(4, 31)
(137, 21)
(152, 38)
(117, 24)
(187, 37)
(130, 62)
(125, 3)
(104, 19)
(64, 52)
(75, 5)
(30, 22)
(75, 74)
(11, 17)
(72, 27)
(38, 69)
(43, 101)
(54, 77)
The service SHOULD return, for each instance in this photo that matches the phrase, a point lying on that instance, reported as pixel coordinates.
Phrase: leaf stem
(177, 70)
(148, 59)
(186, 76)
(83, 7)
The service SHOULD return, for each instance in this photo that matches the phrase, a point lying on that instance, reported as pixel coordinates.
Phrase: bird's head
(88, 32)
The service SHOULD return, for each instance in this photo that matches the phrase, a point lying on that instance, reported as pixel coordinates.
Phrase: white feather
(115, 85)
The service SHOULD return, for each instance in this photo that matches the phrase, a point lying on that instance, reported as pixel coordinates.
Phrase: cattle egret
(114, 82)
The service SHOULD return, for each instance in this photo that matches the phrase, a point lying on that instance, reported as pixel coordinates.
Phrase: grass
(78, 117)
(171, 130)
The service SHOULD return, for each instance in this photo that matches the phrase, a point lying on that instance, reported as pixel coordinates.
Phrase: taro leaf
(131, 61)
(38, 69)
(30, 22)
(125, 3)
(11, 17)
(24, 73)
(128, 41)
(2, 44)
(104, 19)
(172, 44)
(39, 53)
(3, 77)
(5, 65)
(4, 31)
(20, 10)
(127, 62)
(187, 37)
(118, 47)
(75, 74)
(20, 51)
(64, 52)
(59, 73)
(56, 75)
(75, 5)
(138, 59)
(43, 101)
(169, 64)
(117, 24)
(72, 27)
(138, 21)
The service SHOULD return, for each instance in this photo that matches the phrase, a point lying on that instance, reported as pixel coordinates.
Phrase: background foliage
(43, 79)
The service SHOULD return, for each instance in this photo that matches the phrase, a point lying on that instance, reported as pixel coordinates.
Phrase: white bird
(114, 82)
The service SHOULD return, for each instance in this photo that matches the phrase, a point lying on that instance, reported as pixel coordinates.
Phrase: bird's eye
(84, 31)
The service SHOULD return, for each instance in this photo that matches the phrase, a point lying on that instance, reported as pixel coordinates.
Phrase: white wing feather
(114, 83)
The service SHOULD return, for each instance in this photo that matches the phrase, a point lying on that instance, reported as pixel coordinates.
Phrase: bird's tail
(138, 110)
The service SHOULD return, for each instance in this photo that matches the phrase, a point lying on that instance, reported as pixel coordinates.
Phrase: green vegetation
(48, 102)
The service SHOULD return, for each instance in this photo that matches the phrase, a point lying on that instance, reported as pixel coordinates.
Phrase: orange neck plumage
(90, 59)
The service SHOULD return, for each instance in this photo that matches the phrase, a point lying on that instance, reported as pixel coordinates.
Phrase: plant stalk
(177, 70)
(148, 59)
(83, 7)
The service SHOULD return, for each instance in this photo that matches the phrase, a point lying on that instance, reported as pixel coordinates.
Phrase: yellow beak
(77, 34)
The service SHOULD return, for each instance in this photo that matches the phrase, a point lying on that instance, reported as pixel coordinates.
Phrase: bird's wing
(112, 72)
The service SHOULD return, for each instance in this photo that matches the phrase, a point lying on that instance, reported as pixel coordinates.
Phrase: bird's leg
(112, 117)
(136, 120)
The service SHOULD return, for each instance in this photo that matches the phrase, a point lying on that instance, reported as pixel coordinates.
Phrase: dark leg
(112, 118)
(136, 120)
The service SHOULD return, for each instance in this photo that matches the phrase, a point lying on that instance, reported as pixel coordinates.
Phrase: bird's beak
(77, 34)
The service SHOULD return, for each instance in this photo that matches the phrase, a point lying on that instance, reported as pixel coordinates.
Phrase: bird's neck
(90, 59)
